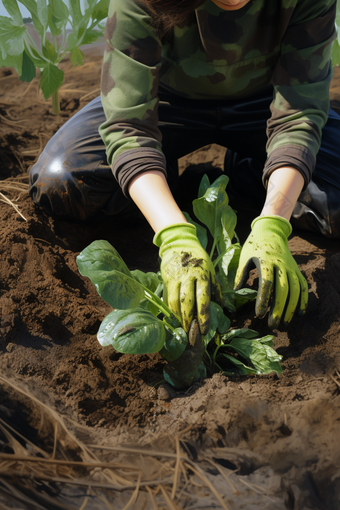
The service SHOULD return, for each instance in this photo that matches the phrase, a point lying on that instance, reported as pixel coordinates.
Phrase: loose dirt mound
(50, 316)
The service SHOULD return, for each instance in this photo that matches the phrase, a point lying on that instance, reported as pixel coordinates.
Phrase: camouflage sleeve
(129, 85)
(301, 83)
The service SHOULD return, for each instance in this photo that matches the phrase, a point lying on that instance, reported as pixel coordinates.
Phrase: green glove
(267, 248)
(187, 273)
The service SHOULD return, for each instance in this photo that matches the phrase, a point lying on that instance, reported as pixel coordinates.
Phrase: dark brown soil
(50, 315)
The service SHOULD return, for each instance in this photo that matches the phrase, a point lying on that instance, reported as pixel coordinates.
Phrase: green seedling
(141, 322)
(50, 19)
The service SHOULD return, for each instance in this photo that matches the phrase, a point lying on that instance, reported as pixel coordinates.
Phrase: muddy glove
(187, 273)
(267, 248)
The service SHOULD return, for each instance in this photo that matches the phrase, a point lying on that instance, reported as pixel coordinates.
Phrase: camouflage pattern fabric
(218, 54)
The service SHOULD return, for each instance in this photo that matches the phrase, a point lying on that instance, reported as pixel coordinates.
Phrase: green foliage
(134, 331)
(143, 323)
(18, 49)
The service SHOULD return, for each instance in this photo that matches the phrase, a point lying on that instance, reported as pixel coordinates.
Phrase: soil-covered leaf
(134, 331)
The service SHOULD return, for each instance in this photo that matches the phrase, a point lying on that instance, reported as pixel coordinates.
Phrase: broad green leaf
(100, 10)
(59, 9)
(219, 322)
(175, 344)
(49, 51)
(241, 333)
(134, 331)
(77, 57)
(263, 357)
(200, 231)
(11, 37)
(13, 10)
(43, 13)
(31, 5)
(241, 368)
(72, 41)
(28, 68)
(75, 12)
(204, 185)
(91, 36)
(51, 79)
(228, 295)
(55, 26)
(12, 61)
(108, 272)
(209, 208)
(244, 296)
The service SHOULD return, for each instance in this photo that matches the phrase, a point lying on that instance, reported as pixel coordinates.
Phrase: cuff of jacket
(290, 155)
(136, 161)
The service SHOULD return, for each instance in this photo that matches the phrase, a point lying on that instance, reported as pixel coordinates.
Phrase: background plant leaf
(204, 185)
(77, 57)
(13, 10)
(100, 10)
(51, 80)
(59, 9)
(28, 68)
(31, 6)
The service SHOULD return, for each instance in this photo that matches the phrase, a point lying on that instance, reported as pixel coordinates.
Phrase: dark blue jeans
(73, 179)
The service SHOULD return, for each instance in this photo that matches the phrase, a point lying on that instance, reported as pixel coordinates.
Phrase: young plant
(50, 19)
(142, 323)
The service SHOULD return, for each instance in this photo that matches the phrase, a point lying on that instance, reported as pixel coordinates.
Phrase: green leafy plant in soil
(141, 322)
(50, 19)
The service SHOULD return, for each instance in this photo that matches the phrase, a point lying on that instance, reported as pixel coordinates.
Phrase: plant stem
(213, 248)
(55, 103)
(158, 302)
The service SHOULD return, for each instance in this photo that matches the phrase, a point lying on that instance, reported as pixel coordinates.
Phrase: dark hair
(168, 13)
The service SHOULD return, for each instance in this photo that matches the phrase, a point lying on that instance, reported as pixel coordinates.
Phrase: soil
(50, 315)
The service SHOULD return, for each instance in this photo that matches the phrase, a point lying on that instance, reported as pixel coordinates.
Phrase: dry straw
(119, 477)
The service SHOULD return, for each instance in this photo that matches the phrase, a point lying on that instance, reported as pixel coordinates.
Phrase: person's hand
(188, 274)
(267, 248)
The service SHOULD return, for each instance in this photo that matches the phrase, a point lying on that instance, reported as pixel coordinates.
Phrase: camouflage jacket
(218, 54)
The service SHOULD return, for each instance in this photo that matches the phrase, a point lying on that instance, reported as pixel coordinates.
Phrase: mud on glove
(188, 274)
(267, 248)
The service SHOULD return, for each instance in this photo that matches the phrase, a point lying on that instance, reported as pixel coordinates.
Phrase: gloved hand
(188, 274)
(267, 248)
